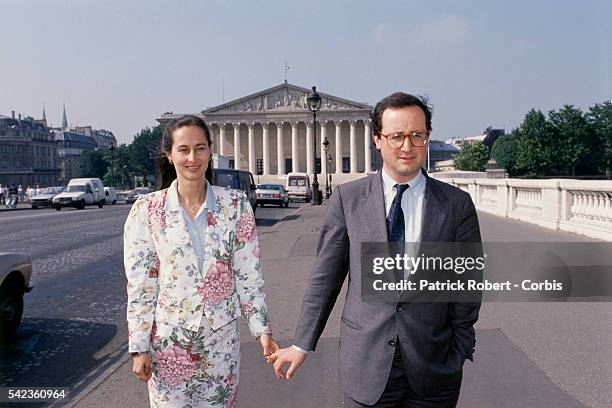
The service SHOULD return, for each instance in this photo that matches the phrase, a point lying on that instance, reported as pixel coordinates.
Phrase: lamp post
(123, 175)
(314, 104)
(326, 149)
(329, 176)
(112, 172)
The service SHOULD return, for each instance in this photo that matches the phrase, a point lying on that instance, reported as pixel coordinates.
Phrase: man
(13, 193)
(391, 354)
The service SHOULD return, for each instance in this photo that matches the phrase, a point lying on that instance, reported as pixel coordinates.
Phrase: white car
(15, 273)
(110, 195)
(79, 193)
(298, 187)
(45, 197)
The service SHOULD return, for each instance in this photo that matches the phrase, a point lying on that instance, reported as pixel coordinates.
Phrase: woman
(192, 262)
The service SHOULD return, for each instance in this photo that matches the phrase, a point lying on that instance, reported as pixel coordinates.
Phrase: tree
(504, 151)
(120, 169)
(600, 120)
(472, 157)
(536, 150)
(576, 145)
(144, 149)
(92, 164)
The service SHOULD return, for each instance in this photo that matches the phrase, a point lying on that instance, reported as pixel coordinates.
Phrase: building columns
(236, 145)
(266, 149)
(323, 155)
(295, 163)
(338, 124)
(252, 161)
(297, 145)
(280, 149)
(309, 152)
(367, 141)
(353, 147)
(222, 139)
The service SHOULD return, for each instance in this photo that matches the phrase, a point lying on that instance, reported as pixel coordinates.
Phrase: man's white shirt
(412, 203)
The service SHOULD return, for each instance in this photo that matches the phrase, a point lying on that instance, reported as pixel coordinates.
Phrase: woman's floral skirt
(194, 369)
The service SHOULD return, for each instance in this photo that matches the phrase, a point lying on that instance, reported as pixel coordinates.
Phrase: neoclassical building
(270, 133)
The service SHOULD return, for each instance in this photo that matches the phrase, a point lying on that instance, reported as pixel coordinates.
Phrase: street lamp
(314, 104)
(329, 176)
(326, 149)
(123, 168)
(112, 172)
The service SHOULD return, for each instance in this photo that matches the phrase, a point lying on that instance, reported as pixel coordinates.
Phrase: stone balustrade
(581, 207)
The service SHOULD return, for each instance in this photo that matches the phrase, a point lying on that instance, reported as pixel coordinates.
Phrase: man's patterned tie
(395, 221)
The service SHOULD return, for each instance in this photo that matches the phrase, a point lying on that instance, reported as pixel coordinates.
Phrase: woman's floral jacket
(164, 282)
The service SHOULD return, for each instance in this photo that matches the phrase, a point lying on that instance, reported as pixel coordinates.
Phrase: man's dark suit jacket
(435, 338)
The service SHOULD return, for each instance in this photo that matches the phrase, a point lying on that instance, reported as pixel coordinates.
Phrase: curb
(15, 209)
(100, 373)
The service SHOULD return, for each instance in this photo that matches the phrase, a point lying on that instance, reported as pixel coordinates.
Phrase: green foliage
(472, 157)
(504, 151)
(120, 168)
(576, 145)
(566, 143)
(135, 159)
(599, 118)
(144, 149)
(536, 152)
(92, 164)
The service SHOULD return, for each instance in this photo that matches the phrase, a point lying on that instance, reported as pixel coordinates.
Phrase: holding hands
(268, 345)
(289, 355)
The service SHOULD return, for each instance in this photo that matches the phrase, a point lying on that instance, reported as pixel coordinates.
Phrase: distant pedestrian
(1, 195)
(37, 190)
(21, 194)
(5, 194)
(13, 194)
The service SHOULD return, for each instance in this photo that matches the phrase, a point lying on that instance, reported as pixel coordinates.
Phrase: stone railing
(581, 207)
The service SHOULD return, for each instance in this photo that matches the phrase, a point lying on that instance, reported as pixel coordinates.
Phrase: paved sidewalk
(511, 367)
(19, 207)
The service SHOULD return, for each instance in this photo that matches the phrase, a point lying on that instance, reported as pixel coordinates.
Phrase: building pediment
(284, 98)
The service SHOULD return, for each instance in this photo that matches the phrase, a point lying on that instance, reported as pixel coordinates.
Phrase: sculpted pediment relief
(283, 98)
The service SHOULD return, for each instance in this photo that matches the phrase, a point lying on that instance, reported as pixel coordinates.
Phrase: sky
(120, 64)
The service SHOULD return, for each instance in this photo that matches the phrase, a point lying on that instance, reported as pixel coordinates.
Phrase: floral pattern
(218, 283)
(195, 369)
(174, 364)
(184, 315)
(245, 228)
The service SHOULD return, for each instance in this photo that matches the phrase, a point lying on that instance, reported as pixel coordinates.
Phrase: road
(75, 316)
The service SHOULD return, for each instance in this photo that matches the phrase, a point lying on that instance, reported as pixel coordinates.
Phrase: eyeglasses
(396, 140)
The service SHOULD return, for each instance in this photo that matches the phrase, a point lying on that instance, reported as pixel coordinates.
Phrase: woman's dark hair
(166, 169)
(400, 100)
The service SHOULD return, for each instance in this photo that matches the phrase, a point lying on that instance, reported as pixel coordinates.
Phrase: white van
(110, 195)
(298, 186)
(79, 193)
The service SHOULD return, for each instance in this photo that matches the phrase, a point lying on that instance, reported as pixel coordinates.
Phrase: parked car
(15, 273)
(237, 179)
(298, 186)
(272, 194)
(110, 195)
(45, 197)
(137, 192)
(79, 193)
